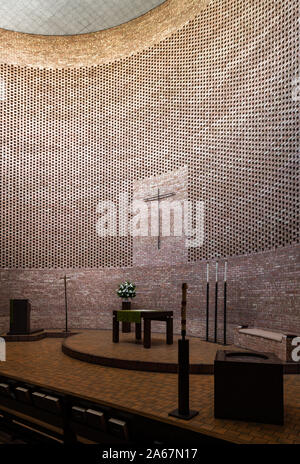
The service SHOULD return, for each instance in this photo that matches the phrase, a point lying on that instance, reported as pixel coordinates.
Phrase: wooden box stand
(249, 387)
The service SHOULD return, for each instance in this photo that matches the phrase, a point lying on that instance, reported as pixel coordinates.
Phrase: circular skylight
(68, 17)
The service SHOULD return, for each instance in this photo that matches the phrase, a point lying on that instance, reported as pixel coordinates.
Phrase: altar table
(147, 315)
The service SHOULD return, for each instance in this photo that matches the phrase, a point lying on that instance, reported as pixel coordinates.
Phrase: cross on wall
(157, 198)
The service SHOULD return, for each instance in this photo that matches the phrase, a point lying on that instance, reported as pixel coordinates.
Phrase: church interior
(150, 257)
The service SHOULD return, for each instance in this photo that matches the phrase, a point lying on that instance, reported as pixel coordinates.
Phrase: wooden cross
(157, 198)
(65, 278)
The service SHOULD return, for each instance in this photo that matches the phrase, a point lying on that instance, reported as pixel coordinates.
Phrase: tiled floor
(99, 343)
(152, 394)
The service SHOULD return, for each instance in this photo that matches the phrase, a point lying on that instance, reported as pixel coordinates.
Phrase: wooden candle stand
(183, 411)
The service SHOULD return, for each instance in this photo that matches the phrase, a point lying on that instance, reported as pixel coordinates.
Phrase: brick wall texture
(172, 249)
(263, 291)
(265, 345)
(214, 98)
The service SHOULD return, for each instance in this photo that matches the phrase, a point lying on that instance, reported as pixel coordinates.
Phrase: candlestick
(216, 304)
(183, 311)
(225, 312)
(225, 272)
(66, 303)
(207, 307)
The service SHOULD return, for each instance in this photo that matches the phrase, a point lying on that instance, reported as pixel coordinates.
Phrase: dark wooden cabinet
(249, 387)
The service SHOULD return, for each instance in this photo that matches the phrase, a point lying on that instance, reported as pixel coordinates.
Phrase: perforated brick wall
(162, 248)
(216, 96)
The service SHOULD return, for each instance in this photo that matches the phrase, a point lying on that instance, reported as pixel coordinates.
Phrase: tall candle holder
(216, 305)
(207, 302)
(225, 306)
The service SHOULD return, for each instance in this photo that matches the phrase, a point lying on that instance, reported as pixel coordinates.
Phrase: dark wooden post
(170, 330)
(183, 311)
(183, 411)
(115, 327)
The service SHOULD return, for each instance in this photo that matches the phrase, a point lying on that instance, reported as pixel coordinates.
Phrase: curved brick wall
(214, 97)
(263, 291)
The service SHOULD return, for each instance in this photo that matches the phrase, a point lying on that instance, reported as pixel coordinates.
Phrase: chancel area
(150, 258)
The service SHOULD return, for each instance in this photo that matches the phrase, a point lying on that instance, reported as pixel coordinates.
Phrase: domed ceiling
(65, 17)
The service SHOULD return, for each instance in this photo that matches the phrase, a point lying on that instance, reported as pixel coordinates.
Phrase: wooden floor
(151, 394)
(96, 346)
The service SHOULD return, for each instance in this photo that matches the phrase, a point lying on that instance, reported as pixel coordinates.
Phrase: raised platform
(37, 335)
(96, 347)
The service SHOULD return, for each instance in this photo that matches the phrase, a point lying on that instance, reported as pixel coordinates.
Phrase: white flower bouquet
(126, 290)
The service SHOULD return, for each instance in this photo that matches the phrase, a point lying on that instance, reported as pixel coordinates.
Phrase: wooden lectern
(20, 318)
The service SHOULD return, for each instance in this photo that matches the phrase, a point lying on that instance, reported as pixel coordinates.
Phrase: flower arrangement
(126, 290)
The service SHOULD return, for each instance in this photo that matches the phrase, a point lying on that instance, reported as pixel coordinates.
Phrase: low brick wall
(258, 343)
(4, 324)
(281, 348)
